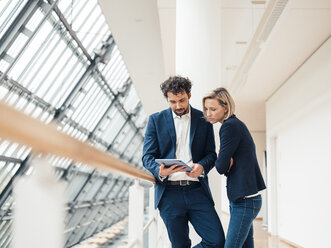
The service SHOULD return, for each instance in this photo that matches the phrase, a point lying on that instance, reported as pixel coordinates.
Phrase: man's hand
(166, 171)
(196, 171)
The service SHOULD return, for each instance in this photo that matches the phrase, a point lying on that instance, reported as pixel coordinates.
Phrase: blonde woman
(236, 160)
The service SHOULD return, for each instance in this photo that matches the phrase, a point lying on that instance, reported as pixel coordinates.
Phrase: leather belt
(182, 182)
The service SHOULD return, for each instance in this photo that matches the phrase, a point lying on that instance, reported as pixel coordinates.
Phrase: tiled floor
(261, 237)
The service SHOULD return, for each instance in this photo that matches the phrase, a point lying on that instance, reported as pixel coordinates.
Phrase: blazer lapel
(170, 125)
(194, 124)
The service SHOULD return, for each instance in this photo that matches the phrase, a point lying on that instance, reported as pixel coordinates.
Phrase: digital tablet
(170, 162)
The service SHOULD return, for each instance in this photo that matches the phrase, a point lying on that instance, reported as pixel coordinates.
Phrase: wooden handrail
(18, 127)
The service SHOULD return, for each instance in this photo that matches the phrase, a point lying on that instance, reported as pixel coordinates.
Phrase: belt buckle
(183, 182)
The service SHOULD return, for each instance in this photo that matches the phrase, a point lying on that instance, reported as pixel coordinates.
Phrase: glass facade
(59, 63)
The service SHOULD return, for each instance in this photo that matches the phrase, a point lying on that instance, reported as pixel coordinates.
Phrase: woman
(236, 160)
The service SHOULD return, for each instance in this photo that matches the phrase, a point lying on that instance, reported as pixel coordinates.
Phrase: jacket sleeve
(208, 160)
(229, 142)
(151, 149)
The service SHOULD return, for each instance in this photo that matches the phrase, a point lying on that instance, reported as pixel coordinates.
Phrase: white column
(272, 185)
(198, 51)
(198, 44)
(39, 209)
(136, 215)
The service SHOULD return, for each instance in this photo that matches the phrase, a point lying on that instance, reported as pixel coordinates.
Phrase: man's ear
(189, 95)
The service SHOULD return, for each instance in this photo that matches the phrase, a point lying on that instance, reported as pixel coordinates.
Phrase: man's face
(179, 103)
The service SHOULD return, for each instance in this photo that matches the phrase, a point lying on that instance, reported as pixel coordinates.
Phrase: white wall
(259, 138)
(298, 145)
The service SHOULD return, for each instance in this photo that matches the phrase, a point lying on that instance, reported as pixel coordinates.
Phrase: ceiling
(145, 31)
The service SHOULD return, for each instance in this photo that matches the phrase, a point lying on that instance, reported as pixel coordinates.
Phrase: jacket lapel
(194, 124)
(170, 125)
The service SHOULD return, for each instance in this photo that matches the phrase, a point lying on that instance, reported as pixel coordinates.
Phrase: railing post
(162, 234)
(152, 231)
(136, 215)
(39, 209)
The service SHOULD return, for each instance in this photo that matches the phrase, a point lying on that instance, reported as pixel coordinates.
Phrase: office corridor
(79, 80)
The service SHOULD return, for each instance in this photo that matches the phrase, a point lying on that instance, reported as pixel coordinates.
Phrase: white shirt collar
(187, 115)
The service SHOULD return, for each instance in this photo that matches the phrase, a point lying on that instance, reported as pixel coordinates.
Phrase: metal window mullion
(7, 232)
(120, 105)
(113, 62)
(69, 29)
(135, 148)
(74, 92)
(91, 24)
(80, 115)
(90, 176)
(35, 59)
(9, 16)
(94, 96)
(129, 143)
(119, 78)
(113, 70)
(61, 71)
(134, 153)
(63, 82)
(42, 64)
(117, 71)
(98, 191)
(8, 189)
(104, 115)
(127, 121)
(8, 173)
(99, 112)
(27, 42)
(20, 21)
(14, 85)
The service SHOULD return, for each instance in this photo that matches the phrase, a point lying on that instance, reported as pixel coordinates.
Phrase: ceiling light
(258, 2)
(241, 42)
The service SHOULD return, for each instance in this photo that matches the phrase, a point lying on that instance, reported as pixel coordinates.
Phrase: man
(181, 132)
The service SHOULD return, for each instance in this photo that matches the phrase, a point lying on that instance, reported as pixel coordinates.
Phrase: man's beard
(183, 113)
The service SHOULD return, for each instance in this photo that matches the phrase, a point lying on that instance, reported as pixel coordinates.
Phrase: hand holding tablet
(170, 162)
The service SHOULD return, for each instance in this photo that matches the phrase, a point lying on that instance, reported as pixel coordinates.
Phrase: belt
(182, 182)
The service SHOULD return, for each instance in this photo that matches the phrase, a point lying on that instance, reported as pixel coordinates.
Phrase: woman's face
(215, 112)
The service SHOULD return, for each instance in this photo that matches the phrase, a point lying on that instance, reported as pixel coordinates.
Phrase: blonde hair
(224, 98)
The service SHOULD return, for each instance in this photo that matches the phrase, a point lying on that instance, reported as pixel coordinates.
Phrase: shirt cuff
(203, 173)
(161, 178)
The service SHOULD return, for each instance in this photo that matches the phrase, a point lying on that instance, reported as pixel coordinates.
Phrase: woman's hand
(196, 171)
(231, 163)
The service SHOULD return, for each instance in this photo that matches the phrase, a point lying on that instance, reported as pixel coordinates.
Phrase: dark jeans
(181, 204)
(242, 214)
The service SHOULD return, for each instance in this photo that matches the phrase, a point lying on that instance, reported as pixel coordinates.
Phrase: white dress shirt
(183, 151)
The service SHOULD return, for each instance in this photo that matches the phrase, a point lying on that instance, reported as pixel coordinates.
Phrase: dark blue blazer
(160, 142)
(244, 177)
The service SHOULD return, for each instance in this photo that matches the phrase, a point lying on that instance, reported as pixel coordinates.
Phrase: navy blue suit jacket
(160, 142)
(244, 177)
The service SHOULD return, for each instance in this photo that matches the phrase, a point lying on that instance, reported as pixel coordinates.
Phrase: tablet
(170, 162)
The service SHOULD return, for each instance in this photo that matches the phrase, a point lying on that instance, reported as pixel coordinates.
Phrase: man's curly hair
(175, 85)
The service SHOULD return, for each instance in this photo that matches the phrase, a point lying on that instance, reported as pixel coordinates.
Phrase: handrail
(21, 128)
(149, 223)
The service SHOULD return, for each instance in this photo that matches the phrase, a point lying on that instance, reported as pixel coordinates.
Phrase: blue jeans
(242, 214)
(182, 204)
